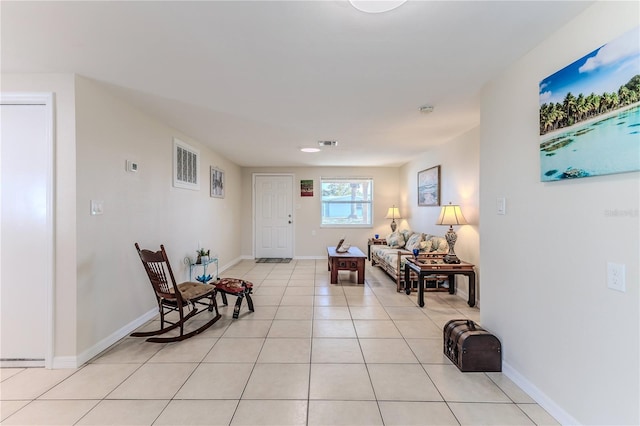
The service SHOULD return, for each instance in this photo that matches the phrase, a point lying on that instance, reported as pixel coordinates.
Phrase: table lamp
(393, 214)
(451, 215)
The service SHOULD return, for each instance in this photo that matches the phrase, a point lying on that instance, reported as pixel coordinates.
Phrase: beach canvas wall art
(590, 113)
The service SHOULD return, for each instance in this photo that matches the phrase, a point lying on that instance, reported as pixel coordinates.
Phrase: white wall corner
(77, 361)
(538, 396)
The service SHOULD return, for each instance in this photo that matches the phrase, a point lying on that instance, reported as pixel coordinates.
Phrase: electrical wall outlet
(615, 277)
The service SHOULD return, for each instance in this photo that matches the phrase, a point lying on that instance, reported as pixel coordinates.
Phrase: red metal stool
(235, 287)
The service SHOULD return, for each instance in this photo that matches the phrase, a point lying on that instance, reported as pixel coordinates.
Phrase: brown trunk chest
(470, 347)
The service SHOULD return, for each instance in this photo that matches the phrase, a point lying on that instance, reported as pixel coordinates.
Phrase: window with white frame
(347, 202)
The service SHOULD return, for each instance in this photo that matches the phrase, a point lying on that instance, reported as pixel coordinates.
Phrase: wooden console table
(352, 260)
(424, 267)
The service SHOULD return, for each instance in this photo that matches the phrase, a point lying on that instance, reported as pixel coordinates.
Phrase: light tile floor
(311, 354)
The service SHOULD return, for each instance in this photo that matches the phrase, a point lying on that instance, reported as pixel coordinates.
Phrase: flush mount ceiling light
(376, 6)
(310, 149)
(426, 109)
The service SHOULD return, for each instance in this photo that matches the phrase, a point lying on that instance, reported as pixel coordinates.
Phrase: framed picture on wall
(306, 188)
(217, 182)
(590, 114)
(429, 187)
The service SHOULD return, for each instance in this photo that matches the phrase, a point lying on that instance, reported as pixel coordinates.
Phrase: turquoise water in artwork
(606, 146)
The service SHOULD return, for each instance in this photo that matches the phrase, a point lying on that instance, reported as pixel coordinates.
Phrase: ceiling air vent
(328, 143)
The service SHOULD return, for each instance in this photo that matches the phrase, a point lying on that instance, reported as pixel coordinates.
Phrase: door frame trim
(253, 202)
(48, 264)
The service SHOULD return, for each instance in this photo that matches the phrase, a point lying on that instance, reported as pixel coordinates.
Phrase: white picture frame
(217, 182)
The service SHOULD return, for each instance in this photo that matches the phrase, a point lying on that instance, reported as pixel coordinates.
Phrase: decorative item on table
(451, 215)
(415, 253)
(203, 256)
(342, 247)
(204, 278)
(393, 213)
(377, 236)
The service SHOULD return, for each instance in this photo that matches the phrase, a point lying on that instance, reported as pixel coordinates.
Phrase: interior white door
(25, 233)
(273, 203)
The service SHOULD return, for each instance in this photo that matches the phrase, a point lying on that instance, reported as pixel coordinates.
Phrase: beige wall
(567, 339)
(307, 209)
(459, 184)
(101, 291)
(139, 207)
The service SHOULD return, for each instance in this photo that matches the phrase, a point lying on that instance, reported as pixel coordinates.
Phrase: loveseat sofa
(391, 256)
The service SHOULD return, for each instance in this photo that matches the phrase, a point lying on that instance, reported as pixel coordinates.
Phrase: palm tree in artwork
(574, 109)
(570, 108)
(624, 94)
(594, 104)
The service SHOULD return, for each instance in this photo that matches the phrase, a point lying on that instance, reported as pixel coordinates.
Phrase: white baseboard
(538, 396)
(21, 363)
(77, 361)
(250, 257)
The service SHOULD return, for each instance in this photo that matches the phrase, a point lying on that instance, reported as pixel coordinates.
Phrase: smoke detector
(328, 143)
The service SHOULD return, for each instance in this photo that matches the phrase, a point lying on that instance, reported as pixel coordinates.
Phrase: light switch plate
(97, 207)
(501, 205)
(132, 166)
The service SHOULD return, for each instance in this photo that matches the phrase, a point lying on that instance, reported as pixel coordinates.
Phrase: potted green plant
(203, 256)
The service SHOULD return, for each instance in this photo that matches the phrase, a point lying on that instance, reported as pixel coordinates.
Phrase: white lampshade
(376, 6)
(393, 213)
(451, 215)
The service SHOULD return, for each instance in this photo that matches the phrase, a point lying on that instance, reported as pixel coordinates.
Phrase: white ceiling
(258, 80)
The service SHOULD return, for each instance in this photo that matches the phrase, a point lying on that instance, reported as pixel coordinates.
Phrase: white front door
(26, 233)
(273, 212)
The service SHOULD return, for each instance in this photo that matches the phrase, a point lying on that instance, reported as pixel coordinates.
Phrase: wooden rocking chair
(175, 297)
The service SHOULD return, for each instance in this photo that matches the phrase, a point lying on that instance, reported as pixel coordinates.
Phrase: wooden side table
(353, 260)
(430, 266)
(374, 242)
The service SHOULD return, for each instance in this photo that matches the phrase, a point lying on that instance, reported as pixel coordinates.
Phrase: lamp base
(451, 238)
(393, 226)
(451, 258)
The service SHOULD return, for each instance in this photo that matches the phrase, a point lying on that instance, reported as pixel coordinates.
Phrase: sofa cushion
(395, 240)
(414, 241)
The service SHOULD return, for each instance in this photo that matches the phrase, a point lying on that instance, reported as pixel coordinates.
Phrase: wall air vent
(328, 143)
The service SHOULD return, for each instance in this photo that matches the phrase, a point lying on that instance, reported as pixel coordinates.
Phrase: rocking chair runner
(175, 297)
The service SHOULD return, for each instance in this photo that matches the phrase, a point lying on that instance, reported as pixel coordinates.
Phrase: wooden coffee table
(429, 266)
(352, 260)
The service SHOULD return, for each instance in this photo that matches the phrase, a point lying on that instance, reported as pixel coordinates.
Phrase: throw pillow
(439, 245)
(414, 241)
(395, 240)
(425, 246)
(406, 233)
